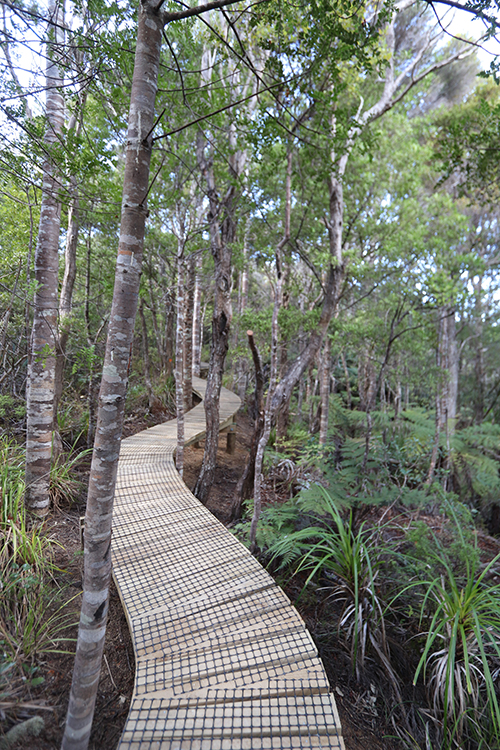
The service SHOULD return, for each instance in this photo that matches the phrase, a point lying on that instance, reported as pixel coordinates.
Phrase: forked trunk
(334, 279)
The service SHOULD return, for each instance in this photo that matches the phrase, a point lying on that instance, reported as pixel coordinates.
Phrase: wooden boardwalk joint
(223, 660)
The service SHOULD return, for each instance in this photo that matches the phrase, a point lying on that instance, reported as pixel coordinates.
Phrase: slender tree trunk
(69, 277)
(179, 360)
(314, 414)
(160, 341)
(221, 322)
(441, 395)
(332, 289)
(347, 380)
(155, 405)
(42, 363)
(222, 222)
(28, 312)
(222, 234)
(398, 396)
(91, 343)
(169, 334)
(197, 322)
(97, 561)
(325, 391)
(188, 338)
(246, 482)
(243, 287)
(282, 417)
(268, 414)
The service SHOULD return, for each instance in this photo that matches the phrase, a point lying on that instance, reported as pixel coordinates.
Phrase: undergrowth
(384, 551)
(33, 620)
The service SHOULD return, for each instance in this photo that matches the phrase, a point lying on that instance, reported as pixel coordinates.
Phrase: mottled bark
(42, 361)
(97, 560)
(222, 234)
(222, 238)
(222, 221)
(245, 485)
(268, 413)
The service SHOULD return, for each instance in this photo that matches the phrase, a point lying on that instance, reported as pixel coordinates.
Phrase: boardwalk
(223, 660)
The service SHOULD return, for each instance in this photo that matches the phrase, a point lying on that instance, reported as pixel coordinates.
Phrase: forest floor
(364, 725)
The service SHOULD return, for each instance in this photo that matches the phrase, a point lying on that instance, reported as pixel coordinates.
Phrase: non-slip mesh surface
(224, 661)
(285, 717)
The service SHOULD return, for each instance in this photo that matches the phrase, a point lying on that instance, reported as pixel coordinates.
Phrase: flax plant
(460, 661)
(349, 559)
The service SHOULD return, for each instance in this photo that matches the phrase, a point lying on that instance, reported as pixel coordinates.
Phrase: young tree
(98, 517)
(42, 360)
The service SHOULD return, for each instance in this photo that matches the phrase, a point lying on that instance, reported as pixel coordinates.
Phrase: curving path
(223, 660)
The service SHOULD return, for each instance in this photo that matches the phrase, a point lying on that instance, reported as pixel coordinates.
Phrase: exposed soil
(363, 709)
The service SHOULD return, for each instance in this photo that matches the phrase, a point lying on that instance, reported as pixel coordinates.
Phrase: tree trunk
(179, 360)
(347, 380)
(367, 381)
(335, 276)
(221, 321)
(197, 322)
(169, 334)
(160, 341)
(42, 362)
(188, 338)
(97, 561)
(222, 235)
(68, 282)
(245, 484)
(325, 391)
(282, 418)
(268, 415)
(155, 405)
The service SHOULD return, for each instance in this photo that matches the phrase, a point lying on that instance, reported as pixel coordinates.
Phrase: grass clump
(33, 621)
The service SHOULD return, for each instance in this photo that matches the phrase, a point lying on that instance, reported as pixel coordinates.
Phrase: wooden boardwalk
(223, 660)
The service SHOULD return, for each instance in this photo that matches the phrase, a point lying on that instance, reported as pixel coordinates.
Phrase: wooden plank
(222, 658)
